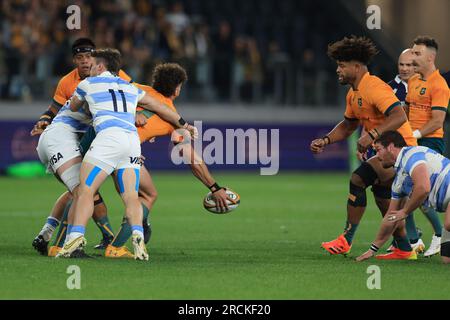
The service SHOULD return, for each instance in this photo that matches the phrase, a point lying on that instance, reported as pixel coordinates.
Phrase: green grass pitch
(269, 248)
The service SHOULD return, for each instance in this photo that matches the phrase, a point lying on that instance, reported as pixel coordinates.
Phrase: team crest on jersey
(360, 102)
(422, 91)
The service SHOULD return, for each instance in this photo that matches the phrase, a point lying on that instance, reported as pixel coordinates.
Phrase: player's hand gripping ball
(210, 205)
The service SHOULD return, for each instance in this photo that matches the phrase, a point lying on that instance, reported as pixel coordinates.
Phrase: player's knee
(364, 175)
(129, 197)
(357, 196)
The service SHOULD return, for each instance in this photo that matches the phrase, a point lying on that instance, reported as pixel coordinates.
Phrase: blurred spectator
(278, 55)
(177, 18)
(223, 58)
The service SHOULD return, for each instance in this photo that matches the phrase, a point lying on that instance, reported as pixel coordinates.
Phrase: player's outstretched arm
(342, 131)
(385, 231)
(167, 114)
(201, 172)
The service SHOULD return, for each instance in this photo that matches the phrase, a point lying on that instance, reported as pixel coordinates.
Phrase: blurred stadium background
(251, 63)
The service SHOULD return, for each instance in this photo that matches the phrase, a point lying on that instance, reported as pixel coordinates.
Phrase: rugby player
(422, 178)
(167, 81)
(427, 101)
(166, 87)
(400, 86)
(116, 147)
(81, 51)
(371, 103)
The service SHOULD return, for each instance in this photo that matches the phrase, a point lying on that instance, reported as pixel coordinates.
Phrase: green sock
(433, 217)
(403, 243)
(145, 212)
(62, 231)
(350, 230)
(125, 229)
(123, 234)
(411, 230)
(105, 227)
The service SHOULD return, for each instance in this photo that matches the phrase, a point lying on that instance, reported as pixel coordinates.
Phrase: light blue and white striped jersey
(438, 168)
(112, 101)
(77, 121)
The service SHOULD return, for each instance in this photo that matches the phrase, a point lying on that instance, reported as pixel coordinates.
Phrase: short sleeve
(349, 115)
(81, 90)
(413, 161)
(396, 188)
(60, 96)
(384, 98)
(440, 96)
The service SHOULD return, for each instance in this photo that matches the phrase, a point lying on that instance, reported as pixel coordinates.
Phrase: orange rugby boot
(53, 251)
(118, 252)
(398, 254)
(337, 246)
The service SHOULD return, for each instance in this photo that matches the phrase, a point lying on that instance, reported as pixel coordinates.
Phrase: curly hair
(167, 77)
(353, 48)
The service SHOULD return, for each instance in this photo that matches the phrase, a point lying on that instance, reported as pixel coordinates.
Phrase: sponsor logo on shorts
(55, 158)
(135, 160)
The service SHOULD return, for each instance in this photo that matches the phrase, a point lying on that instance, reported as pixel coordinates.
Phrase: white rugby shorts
(57, 145)
(114, 149)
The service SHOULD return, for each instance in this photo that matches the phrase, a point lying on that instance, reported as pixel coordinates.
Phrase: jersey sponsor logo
(55, 158)
(422, 91)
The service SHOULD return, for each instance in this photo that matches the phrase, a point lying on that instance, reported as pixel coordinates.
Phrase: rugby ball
(210, 205)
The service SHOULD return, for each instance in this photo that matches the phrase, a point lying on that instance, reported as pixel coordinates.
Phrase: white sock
(72, 236)
(47, 232)
(138, 233)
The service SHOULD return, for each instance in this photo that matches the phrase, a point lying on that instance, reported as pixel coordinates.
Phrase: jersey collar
(77, 74)
(399, 80)
(432, 75)
(361, 82)
(106, 74)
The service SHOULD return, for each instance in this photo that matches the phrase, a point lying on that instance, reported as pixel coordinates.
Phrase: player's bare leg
(91, 178)
(40, 243)
(147, 196)
(83, 206)
(147, 190)
(128, 179)
(370, 173)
